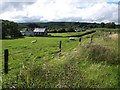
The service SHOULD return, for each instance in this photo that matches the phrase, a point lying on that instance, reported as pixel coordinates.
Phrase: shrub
(70, 30)
(99, 53)
(61, 30)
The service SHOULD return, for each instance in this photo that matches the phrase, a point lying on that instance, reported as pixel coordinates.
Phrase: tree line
(70, 26)
(12, 29)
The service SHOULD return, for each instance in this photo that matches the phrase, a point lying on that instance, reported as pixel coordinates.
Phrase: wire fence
(21, 56)
(18, 57)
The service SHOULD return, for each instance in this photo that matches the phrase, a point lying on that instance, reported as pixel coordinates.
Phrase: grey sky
(59, 10)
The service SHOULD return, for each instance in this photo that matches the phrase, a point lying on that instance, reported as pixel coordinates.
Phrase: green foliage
(61, 30)
(110, 25)
(70, 29)
(10, 29)
(102, 25)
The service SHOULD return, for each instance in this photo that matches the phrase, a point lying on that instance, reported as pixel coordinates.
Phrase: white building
(40, 31)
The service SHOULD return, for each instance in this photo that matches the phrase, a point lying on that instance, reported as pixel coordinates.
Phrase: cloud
(61, 10)
(28, 19)
(9, 6)
(101, 12)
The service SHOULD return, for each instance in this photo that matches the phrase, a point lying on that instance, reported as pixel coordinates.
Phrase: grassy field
(78, 65)
(66, 34)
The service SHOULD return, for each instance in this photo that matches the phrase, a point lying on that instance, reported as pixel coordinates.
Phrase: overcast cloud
(59, 10)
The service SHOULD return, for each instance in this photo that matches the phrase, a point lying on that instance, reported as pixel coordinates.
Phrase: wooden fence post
(91, 38)
(60, 45)
(80, 39)
(6, 61)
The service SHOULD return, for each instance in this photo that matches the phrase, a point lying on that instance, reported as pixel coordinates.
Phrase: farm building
(40, 31)
(27, 32)
(23, 31)
(35, 32)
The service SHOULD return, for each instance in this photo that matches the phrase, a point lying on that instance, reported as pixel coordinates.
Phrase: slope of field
(79, 65)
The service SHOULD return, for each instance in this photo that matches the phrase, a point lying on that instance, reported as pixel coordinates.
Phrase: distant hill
(56, 26)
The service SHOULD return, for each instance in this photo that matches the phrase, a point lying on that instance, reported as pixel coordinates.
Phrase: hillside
(70, 26)
(79, 64)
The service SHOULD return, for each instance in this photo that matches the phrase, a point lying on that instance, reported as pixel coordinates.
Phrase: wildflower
(66, 65)
(65, 86)
(76, 83)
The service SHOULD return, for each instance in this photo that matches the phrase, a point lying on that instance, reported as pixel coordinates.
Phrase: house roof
(23, 30)
(39, 30)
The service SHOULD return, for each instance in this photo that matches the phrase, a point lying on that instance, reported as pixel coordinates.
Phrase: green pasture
(66, 34)
(78, 65)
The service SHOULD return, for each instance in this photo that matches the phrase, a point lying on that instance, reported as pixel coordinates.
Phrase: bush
(99, 53)
(61, 30)
(70, 30)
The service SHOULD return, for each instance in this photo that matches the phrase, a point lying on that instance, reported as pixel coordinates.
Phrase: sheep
(71, 38)
(34, 41)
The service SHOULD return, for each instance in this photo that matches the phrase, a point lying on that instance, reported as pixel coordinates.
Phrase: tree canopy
(10, 29)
